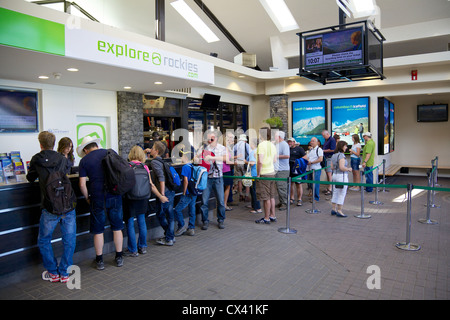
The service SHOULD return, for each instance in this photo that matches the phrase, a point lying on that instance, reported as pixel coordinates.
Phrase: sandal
(299, 203)
(256, 211)
(327, 193)
(292, 201)
(228, 208)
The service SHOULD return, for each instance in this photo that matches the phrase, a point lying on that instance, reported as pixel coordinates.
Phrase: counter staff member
(41, 165)
(101, 202)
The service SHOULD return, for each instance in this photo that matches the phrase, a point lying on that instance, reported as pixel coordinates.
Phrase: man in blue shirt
(328, 150)
(99, 199)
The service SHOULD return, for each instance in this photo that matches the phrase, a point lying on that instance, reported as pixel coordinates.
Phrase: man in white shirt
(315, 156)
(241, 152)
(215, 181)
(282, 168)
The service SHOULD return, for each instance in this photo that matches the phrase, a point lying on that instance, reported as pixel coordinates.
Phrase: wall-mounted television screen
(210, 102)
(309, 119)
(350, 116)
(432, 113)
(18, 110)
(333, 49)
(384, 129)
(392, 127)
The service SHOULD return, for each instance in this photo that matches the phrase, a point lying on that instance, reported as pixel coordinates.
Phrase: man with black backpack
(58, 206)
(101, 201)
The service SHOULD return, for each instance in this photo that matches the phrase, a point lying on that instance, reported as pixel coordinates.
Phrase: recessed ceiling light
(158, 82)
(241, 76)
(127, 88)
(72, 69)
(43, 77)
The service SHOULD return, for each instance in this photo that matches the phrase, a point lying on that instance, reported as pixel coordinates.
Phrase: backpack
(59, 195)
(119, 176)
(300, 166)
(141, 189)
(323, 163)
(198, 181)
(172, 179)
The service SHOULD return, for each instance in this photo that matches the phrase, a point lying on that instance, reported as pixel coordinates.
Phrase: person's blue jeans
(369, 178)
(166, 215)
(216, 185)
(187, 200)
(317, 175)
(142, 227)
(256, 205)
(47, 225)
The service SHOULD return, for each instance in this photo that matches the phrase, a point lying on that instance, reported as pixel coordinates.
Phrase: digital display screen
(337, 48)
(308, 120)
(350, 116)
(18, 110)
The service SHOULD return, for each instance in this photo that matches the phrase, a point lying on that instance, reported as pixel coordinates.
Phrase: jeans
(317, 175)
(186, 201)
(142, 227)
(216, 185)
(166, 215)
(47, 225)
(369, 178)
(255, 202)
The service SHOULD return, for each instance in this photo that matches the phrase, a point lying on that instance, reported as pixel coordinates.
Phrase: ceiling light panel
(194, 20)
(280, 14)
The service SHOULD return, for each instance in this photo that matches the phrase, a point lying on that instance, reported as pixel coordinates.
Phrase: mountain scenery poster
(308, 120)
(347, 115)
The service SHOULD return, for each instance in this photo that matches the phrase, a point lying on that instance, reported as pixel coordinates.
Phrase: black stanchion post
(408, 246)
(288, 230)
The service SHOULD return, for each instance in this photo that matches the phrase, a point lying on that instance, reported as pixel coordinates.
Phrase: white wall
(59, 108)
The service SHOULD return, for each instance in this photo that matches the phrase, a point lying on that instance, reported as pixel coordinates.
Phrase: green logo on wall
(156, 58)
(94, 130)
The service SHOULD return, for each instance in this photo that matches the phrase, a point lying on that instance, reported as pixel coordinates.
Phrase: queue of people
(269, 157)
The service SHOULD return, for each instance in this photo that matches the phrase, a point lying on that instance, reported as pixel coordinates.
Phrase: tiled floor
(328, 258)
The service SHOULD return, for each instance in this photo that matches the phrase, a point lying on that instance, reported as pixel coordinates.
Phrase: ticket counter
(19, 225)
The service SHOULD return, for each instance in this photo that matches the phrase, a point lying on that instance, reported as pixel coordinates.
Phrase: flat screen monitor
(18, 110)
(392, 127)
(210, 102)
(350, 116)
(308, 120)
(334, 49)
(384, 129)
(432, 113)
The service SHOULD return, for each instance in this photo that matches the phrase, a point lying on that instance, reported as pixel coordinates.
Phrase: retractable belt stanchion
(313, 209)
(428, 205)
(384, 176)
(362, 215)
(408, 246)
(376, 202)
(288, 230)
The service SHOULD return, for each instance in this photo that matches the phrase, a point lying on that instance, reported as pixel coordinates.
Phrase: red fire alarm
(414, 75)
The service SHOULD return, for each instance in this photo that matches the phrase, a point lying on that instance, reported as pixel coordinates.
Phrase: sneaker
(119, 261)
(100, 265)
(205, 225)
(190, 232)
(262, 220)
(130, 254)
(221, 225)
(142, 250)
(64, 279)
(181, 231)
(274, 219)
(164, 242)
(47, 276)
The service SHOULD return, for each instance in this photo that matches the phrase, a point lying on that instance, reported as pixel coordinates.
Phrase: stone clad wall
(279, 108)
(130, 117)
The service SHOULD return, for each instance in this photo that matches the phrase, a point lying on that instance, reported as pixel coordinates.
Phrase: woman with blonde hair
(137, 206)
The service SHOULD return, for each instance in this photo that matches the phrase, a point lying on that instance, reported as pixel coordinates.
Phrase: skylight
(194, 20)
(280, 14)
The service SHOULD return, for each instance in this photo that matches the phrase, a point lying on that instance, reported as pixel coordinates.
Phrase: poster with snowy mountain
(347, 115)
(308, 120)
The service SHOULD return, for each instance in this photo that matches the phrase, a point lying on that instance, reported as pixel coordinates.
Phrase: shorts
(328, 164)
(266, 189)
(355, 162)
(113, 207)
(227, 181)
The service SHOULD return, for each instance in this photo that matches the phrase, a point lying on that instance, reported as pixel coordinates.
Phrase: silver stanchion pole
(288, 230)
(428, 220)
(433, 184)
(408, 246)
(313, 209)
(376, 202)
(384, 176)
(362, 215)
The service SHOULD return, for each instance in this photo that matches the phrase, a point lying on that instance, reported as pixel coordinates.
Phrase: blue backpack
(300, 166)
(171, 175)
(198, 181)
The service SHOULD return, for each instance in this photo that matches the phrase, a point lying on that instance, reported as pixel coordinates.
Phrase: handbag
(247, 182)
